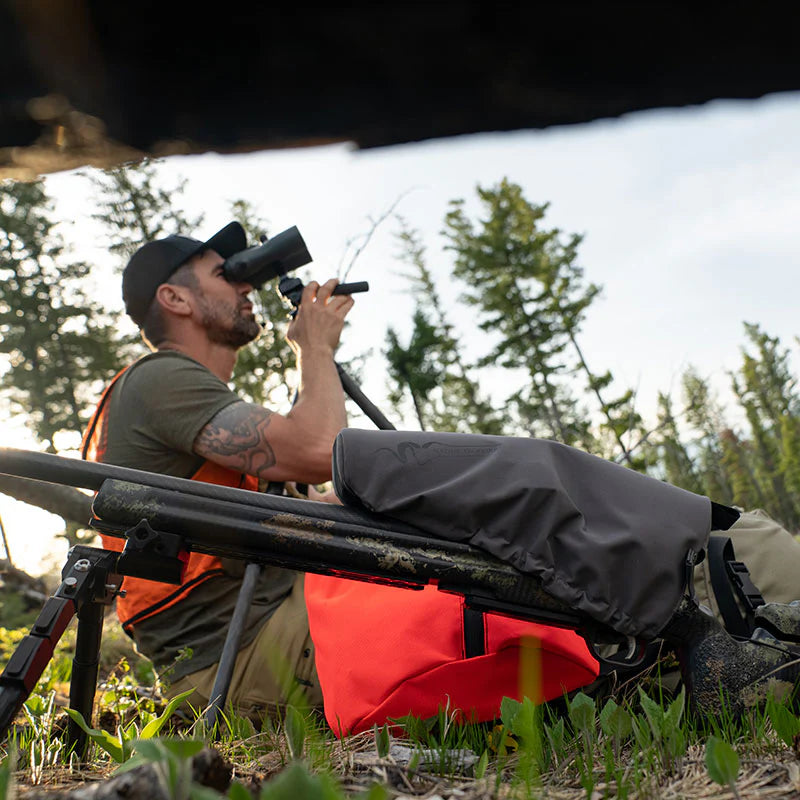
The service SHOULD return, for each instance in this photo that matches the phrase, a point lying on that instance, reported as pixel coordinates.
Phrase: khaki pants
(770, 553)
(276, 668)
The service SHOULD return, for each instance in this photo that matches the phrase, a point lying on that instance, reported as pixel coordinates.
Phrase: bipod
(88, 583)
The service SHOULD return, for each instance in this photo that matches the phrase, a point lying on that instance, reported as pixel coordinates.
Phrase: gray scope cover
(602, 538)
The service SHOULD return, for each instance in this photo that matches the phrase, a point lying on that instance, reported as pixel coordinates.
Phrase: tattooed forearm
(236, 436)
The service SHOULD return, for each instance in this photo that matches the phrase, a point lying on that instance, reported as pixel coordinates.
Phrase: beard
(226, 325)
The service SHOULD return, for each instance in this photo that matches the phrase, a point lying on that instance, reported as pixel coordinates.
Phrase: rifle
(161, 518)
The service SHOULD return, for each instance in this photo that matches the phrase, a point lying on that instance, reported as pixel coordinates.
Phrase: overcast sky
(690, 219)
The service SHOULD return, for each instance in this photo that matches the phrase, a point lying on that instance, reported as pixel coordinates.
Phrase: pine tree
(673, 455)
(432, 368)
(737, 460)
(705, 415)
(134, 207)
(60, 343)
(767, 391)
(531, 296)
(415, 369)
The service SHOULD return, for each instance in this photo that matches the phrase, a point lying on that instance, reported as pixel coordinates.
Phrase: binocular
(274, 258)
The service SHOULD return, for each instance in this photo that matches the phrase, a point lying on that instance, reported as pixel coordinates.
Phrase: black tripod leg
(353, 390)
(222, 680)
(85, 665)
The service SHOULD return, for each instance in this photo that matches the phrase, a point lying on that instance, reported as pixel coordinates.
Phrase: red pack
(384, 652)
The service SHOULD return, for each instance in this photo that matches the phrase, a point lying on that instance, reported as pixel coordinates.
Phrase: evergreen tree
(706, 417)
(673, 456)
(737, 460)
(524, 279)
(134, 208)
(415, 369)
(60, 344)
(431, 368)
(767, 391)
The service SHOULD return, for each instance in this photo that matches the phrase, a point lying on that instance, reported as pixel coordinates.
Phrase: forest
(521, 283)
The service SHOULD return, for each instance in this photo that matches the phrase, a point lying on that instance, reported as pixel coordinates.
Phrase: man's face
(226, 312)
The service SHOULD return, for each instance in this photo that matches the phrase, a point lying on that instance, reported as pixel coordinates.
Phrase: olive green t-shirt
(155, 412)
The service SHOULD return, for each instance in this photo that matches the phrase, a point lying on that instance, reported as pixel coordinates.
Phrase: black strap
(722, 517)
(728, 576)
(474, 633)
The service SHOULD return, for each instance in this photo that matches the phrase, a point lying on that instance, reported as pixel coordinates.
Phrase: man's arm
(297, 446)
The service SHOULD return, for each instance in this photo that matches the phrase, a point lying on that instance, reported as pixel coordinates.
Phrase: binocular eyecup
(282, 253)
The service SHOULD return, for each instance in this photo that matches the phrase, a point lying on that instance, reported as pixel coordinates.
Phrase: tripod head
(292, 290)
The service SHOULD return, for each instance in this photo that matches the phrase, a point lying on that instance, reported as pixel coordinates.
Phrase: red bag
(385, 652)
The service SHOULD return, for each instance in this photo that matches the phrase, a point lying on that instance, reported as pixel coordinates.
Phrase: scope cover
(602, 538)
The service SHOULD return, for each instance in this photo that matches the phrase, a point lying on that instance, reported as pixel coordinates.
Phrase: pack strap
(730, 579)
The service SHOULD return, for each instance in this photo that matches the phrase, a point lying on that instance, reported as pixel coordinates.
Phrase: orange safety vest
(143, 598)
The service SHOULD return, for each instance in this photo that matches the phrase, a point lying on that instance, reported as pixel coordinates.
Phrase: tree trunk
(64, 501)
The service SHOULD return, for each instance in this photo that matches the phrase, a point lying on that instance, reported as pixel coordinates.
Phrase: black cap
(153, 263)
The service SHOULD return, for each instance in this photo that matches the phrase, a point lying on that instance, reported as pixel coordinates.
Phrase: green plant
(297, 782)
(556, 739)
(722, 763)
(616, 724)
(382, 740)
(524, 720)
(443, 740)
(39, 743)
(172, 759)
(785, 723)
(582, 715)
(122, 746)
(295, 729)
(7, 774)
(665, 725)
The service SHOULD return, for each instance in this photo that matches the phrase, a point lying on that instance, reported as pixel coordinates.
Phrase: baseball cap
(153, 263)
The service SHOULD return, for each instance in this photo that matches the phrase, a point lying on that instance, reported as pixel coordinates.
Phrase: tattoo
(236, 438)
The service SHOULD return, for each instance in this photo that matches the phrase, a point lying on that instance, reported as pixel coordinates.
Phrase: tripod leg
(353, 390)
(222, 680)
(85, 664)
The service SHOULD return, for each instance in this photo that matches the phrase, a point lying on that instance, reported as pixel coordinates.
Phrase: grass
(638, 741)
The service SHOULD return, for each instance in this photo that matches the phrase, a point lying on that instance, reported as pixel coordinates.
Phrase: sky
(690, 218)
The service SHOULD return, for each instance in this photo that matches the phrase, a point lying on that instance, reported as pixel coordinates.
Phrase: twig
(367, 236)
(5, 543)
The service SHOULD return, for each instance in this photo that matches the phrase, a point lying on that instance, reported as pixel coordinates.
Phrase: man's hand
(313, 494)
(296, 446)
(320, 318)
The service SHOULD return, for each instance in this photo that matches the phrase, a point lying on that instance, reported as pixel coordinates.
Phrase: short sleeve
(175, 398)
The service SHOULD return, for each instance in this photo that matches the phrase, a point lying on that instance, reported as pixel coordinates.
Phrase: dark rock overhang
(94, 82)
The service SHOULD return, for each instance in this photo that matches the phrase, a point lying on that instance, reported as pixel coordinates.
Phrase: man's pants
(276, 668)
(770, 553)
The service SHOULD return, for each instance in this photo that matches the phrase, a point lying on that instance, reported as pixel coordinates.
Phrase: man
(172, 412)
